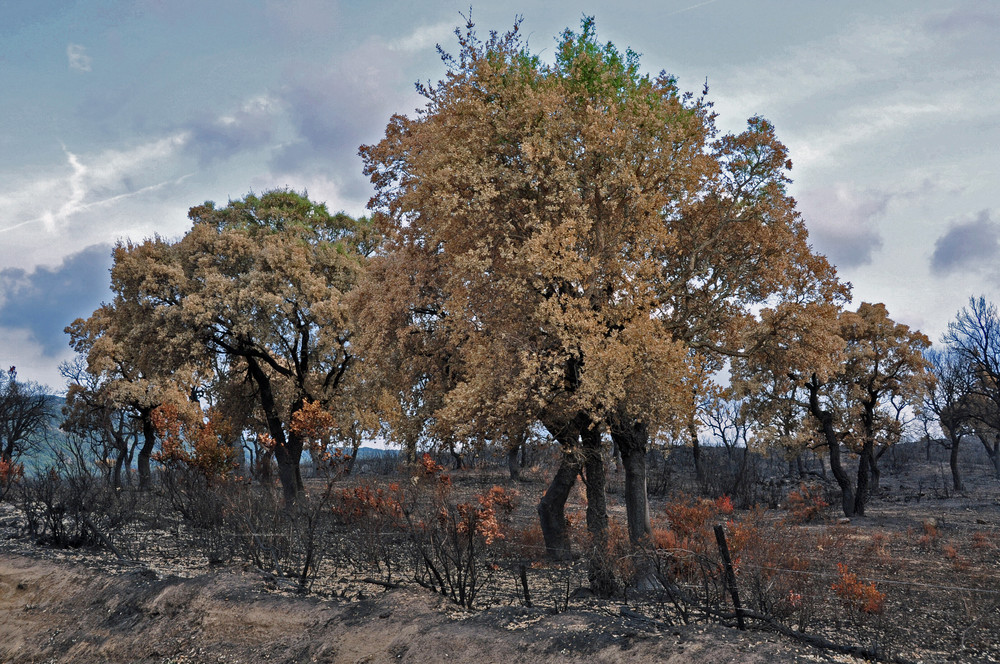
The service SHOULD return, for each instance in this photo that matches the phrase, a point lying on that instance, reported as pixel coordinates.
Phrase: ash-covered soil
(61, 611)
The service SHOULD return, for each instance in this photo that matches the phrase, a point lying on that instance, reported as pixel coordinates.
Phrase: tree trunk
(602, 574)
(825, 419)
(353, 459)
(512, 466)
(288, 451)
(632, 439)
(699, 470)
(863, 487)
(264, 469)
(876, 472)
(956, 476)
(116, 473)
(455, 455)
(148, 442)
(410, 450)
(552, 507)
(994, 453)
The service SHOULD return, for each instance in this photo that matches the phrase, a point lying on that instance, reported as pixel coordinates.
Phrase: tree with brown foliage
(854, 373)
(132, 359)
(562, 241)
(254, 288)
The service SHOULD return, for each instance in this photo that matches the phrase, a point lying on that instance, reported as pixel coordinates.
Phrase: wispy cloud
(94, 181)
(424, 37)
(691, 8)
(78, 58)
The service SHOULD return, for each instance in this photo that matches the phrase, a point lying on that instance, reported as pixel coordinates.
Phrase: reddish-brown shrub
(10, 474)
(806, 503)
(194, 441)
(857, 595)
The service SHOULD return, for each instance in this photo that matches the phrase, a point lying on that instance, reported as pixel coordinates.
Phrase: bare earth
(85, 606)
(62, 611)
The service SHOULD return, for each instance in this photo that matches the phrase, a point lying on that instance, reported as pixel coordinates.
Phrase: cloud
(44, 301)
(969, 246)
(978, 18)
(78, 58)
(334, 110)
(424, 37)
(249, 128)
(92, 182)
(842, 223)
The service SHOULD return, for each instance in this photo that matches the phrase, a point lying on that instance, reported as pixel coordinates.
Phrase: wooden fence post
(720, 538)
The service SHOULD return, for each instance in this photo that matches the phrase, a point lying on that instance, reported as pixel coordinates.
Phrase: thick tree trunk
(410, 450)
(264, 469)
(825, 419)
(602, 574)
(287, 451)
(512, 465)
(456, 456)
(552, 507)
(876, 474)
(353, 459)
(632, 440)
(993, 451)
(148, 442)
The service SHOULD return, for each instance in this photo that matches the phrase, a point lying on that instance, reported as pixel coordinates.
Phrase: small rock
(843, 521)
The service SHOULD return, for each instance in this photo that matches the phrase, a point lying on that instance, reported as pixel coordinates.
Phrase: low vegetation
(567, 266)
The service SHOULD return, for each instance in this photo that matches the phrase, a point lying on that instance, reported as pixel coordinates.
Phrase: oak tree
(569, 243)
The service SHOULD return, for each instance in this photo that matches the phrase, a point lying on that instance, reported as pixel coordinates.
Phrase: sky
(118, 116)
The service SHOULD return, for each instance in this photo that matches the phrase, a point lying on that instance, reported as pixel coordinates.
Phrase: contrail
(67, 210)
(687, 9)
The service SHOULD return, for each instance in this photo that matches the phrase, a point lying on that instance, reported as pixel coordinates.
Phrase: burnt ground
(934, 554)
(61, 611)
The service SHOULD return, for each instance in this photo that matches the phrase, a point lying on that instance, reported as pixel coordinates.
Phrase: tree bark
(956, 475)
(148, 442)
(602, 575)
(552, 507)
(512, 466)
(876, 473)
(287, 451)
(699, 470)
(116, 473)
(863, 493)
(825, 419)
(632, 440)
(994, 454)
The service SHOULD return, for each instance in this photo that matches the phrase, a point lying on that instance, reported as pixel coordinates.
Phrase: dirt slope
(52, 611)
